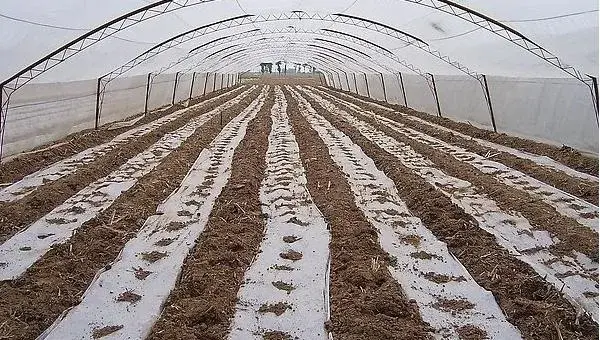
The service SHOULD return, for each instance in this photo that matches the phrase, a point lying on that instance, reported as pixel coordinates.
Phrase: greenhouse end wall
(42, 113)
(556, 111)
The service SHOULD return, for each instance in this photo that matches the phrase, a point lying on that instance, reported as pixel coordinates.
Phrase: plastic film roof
(303, 31)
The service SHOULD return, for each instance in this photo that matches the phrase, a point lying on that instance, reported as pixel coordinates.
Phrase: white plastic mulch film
(371, 41)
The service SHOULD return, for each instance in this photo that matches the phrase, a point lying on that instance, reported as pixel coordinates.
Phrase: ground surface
(298, 212)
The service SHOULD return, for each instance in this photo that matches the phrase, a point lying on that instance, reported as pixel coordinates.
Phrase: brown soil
(283, 286)
(291, 255)
(531, 304)
(584, 189)
(274, 79)
(453, 305)
(290, 239)
(539, 214)
(153, 256)
(277, 308)
(104, 331)
(58, 280)
(17, 215)
(130, 297)
(365, 304)
(564, 154)
(276, 335)
(203, 301)
(20, 166)
(441, 278)
(471, 332)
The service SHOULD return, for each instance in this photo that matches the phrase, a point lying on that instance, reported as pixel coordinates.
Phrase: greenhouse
(344, 169)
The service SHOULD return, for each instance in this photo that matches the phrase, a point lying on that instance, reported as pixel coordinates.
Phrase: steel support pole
(347, 82)
(214, 82)
(437, 100)
(175, 88)
(367, 83)
(147, 93)
(355, 84)
(339, 79)
(383, 85)
(97, 123)
(489, 102)
(222, 78)
(594, 90)
(2, 120)
(192, 86)
(205, 83)
(403, 90)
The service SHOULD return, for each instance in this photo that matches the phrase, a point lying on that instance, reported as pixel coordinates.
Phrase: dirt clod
(291, 255)
(277, 308)
(129, 296)
(291, 239)
(153, 256)
(141, 274)
(283, 286)
(104, 331)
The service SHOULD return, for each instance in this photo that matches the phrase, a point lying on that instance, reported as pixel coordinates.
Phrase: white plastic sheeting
(568, 29)
(123, 98)
(376, 86)
(184, 83)
(557, 111)
(41, 113)
(161, 91)
(462, 98)
(419, 95)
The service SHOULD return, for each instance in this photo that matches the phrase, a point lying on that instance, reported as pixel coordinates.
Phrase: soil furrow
(587, 190)
(18, 167)
(294, 301)
(158, 249)
(534, 306)
(565, 155)
(366, 303)
(586, 214)
(539, 160)
(17, 215)
(70, 165)
(541, 216)
(203, 302)
(57, 281)
(574, 275)
(417, 253)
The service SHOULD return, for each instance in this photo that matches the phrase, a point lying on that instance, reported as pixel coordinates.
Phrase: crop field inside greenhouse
(284, 211)
(299, 170)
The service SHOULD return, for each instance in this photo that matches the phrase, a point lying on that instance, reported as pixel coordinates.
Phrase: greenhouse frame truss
(329, 49)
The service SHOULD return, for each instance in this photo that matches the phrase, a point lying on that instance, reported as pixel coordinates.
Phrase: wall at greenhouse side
(123, 98)
(462, 99)
(42, 113)
(556, 111)
(161, 92)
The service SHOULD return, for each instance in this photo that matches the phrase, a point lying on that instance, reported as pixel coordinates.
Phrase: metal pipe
(489, 102)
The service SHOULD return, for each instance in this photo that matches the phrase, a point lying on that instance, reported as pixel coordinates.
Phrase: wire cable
(522, 20)
(553, 17)
(77, 29)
